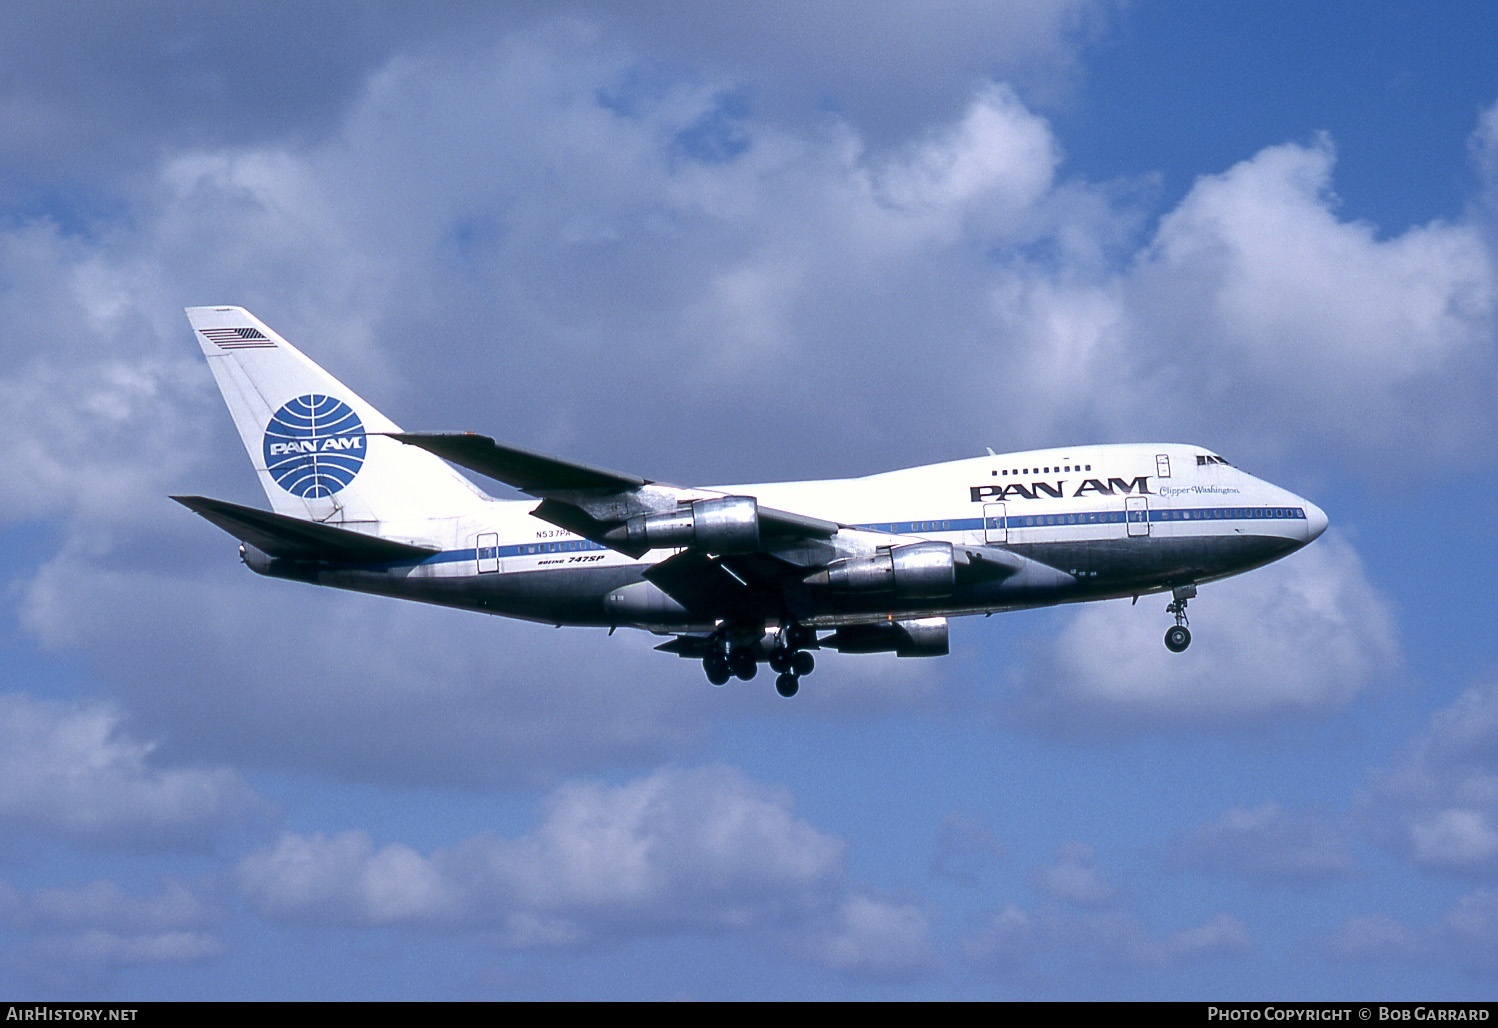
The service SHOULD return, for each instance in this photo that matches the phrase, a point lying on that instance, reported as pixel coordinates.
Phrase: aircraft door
(486, 551)
(1137, 514)
(995, 524)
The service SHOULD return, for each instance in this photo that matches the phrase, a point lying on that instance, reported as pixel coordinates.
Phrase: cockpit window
(1203, 459)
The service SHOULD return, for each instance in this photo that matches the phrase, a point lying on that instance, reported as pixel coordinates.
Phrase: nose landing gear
(1178, 637)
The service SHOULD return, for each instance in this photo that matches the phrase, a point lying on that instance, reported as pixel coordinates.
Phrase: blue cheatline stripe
(1012, 522)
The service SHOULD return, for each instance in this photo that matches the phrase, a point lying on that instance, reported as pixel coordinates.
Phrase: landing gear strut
(1178, 637)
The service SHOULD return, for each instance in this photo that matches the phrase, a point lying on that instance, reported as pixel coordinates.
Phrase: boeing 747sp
(736, 575)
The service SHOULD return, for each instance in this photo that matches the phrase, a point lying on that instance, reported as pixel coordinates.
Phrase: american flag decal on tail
(237, 338)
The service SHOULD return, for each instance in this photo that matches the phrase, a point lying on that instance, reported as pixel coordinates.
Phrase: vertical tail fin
(320, 450)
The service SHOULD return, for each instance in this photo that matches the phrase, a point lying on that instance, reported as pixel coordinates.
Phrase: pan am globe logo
(314, 446)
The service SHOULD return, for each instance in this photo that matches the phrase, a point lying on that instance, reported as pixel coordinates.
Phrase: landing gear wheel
(716, 666)
(787, 684)
(743, 665)
(802, 663)
(780, 660)
(1177, 638)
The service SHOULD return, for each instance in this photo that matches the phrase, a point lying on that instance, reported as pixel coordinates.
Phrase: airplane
(736, 575)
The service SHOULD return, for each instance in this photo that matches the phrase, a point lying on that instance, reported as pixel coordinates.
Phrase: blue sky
(716, 243)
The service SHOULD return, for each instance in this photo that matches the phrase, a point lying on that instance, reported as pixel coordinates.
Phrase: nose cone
(1315, 521)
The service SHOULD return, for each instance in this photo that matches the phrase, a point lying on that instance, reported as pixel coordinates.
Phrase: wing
(626, 512)
(736, 559)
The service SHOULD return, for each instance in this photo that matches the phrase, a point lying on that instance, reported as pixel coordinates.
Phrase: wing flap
(702, 585)
(785, 524)
(691, 645)
(295, 539)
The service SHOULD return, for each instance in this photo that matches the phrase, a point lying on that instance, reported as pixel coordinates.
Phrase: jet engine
(914, 571)
(726, 525)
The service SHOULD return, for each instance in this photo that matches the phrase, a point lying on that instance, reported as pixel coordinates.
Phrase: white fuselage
(1090, 522)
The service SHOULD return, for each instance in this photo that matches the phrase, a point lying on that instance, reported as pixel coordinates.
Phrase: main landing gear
(738, 655)
(1178, 637)
(735, 663)
(789, 659)
(789, 665)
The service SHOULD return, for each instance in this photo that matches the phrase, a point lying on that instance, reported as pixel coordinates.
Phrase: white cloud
(1464, 937)
(1074, 878)
(1255, 319)
(680, 849)
(343, 879)
(113, 950)
(1083, 926)
(282, 675)
(874, 937)
(71, 772)
(1438, 801)
(966, 847)
(705, 846)
(1483, 145)
(95, 100)
(1297, 639)
(102, 414)
(1268, 843)
(62, 936)
(1051, 948)
(1454, 838)
(1264, 313)
(997, 165)
(104, 905)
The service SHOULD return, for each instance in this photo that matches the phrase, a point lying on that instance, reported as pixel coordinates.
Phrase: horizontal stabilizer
(295, 539)
(526, 470)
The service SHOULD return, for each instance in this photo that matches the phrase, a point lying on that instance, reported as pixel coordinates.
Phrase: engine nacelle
(918, 637)
(727, 525)
(914, 571)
